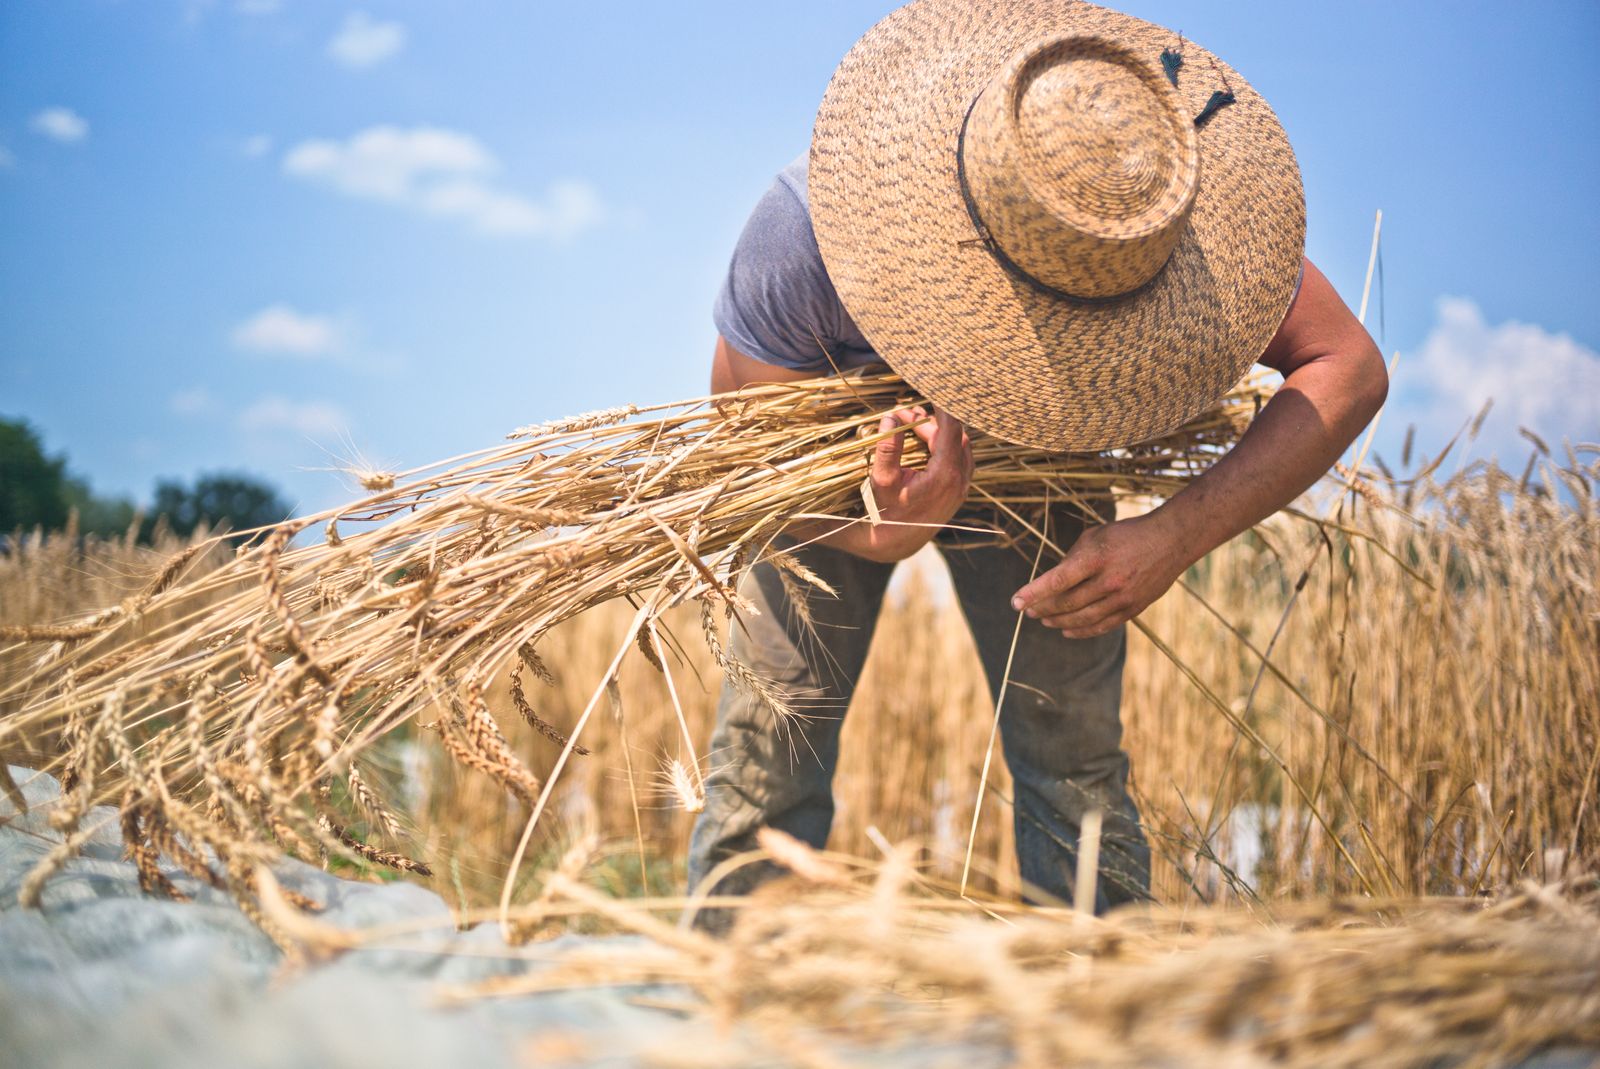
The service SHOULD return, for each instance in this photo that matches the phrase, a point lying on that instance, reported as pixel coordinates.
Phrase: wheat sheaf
(226, 711)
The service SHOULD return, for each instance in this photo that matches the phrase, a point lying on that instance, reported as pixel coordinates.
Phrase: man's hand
(1109, 576)
(913, 503)
(926, 497)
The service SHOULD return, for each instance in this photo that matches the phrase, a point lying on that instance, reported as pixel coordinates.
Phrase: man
(1071, 229)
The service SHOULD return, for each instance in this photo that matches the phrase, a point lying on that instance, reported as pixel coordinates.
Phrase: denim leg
(780, 774)
(1062, 732)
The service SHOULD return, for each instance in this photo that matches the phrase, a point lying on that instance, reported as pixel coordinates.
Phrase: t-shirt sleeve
(777, 304)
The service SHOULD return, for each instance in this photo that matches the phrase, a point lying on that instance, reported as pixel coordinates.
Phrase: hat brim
(1013, 361)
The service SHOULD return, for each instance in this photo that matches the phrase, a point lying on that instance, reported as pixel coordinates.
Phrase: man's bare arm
(731, 369)
(1334, 382)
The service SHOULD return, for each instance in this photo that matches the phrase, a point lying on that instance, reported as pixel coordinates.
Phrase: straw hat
(1023, 215)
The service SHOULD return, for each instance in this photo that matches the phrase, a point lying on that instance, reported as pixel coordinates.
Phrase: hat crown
(1081, 166)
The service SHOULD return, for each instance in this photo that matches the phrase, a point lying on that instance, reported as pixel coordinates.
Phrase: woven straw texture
(1009, 356)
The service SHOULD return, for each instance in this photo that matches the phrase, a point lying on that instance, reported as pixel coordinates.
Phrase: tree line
(37, 490)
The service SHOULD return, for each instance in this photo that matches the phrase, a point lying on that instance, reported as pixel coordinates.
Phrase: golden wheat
(265, 679)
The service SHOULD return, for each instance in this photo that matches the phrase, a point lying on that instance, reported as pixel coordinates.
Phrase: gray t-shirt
(778, 304)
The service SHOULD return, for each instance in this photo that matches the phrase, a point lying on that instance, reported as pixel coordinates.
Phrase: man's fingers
(1089, 592)
(1076, 619)
(1078, 566)
(949, 449)
(1097, 626)
(927, 430)
(886, 455)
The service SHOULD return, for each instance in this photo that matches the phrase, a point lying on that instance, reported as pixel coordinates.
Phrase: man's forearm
(851, 537)
(1318, 411)
(1334, 382)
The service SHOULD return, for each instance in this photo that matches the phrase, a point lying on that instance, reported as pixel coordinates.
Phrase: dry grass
(1356, 983)
(847, 960)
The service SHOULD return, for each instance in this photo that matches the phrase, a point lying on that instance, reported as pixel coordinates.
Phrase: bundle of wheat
(224, 712)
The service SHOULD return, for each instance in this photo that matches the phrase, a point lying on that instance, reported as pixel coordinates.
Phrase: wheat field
(1427, 723)
(1433, 717)
(1365, 739)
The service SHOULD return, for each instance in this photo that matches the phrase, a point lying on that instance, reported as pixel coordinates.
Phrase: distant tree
(242, 501)
(109, 517)
(32, 486)
(36, 490)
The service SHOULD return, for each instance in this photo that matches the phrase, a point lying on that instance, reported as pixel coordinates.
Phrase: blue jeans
(1060, 727)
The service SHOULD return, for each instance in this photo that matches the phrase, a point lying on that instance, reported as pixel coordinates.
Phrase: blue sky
(269, 234)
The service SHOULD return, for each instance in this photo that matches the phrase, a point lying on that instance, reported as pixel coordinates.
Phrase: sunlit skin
(1334, 382)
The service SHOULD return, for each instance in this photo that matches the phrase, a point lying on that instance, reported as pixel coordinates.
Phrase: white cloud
(1549, 383)
(388, 163)
(445, 174)
(7, 160)
(363, 41)
(61, 124)
(280, 329)
(195, 402)
(257, 145)
(315, 419)
(567, 208)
